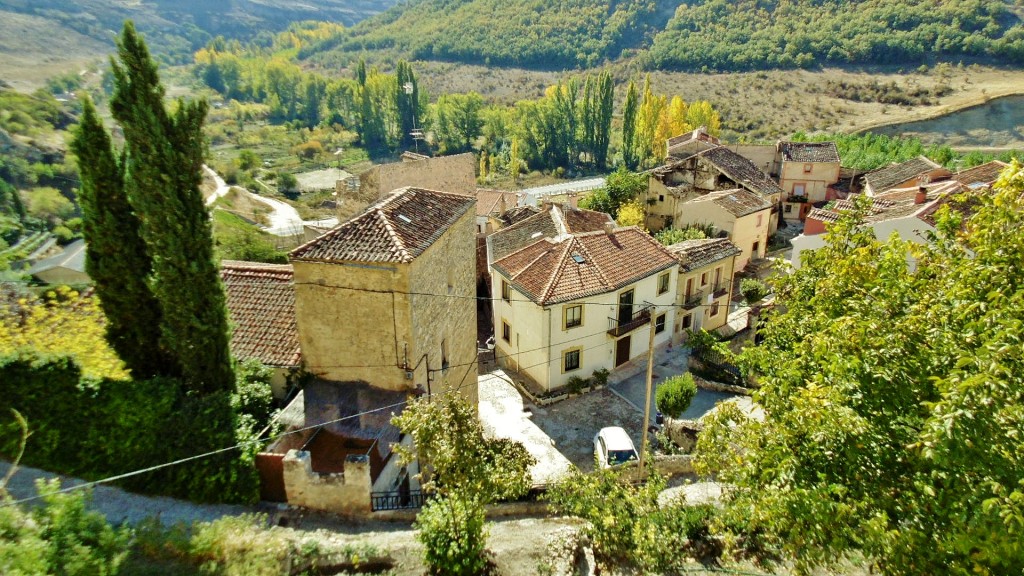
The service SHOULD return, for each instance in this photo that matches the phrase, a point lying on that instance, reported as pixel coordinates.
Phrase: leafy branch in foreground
(893, 400)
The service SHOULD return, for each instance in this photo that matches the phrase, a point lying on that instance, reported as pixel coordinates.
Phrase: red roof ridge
(559, 270)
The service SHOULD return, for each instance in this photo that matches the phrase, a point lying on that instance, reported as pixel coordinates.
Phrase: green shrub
(452, 532)
(576, 384)
(698, 339)
(79, 541)
(600, 377)
(254, 395)
(753, 289)
(73, 421)
(675, 394)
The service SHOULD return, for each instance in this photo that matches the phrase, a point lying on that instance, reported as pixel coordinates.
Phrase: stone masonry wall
(455, 174)
(442, 283)
(346, 493)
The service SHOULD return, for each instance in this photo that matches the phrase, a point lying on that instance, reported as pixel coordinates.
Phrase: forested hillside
(177, 27)
(529, 33)
(726, 35)
(714, 35)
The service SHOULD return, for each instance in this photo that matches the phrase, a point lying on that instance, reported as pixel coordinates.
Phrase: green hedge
(100, 428)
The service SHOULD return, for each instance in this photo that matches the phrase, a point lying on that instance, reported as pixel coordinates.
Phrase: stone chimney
(921, 196)
(609, 228)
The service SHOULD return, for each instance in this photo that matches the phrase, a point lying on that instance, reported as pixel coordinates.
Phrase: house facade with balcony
(705, 284)
(807, 172)
(569, 305)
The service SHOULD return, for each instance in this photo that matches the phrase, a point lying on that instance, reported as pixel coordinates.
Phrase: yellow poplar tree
(701, 113)
(632, 214)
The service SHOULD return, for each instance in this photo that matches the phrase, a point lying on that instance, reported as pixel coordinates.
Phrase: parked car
(612, 446)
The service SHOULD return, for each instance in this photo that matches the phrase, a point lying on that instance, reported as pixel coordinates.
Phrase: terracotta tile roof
(397, 228)
(557, 221)
(694, 254)
(261, 306)
(885, 178)
(741, 170)
(518, 214)
(552, 271)
(809, 151)
(984, 174)
(737, 202)
(896, 203)
(488, 201)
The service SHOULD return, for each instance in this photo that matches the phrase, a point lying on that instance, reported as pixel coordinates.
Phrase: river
(998, 123)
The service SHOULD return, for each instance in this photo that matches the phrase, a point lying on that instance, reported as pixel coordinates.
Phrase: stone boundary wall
(347, 493)
(720, 387)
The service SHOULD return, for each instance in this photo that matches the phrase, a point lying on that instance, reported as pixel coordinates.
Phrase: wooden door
(622, 351)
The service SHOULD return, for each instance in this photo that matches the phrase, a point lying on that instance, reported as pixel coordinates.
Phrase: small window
(714, 310)
(659, 324)
(808, 168)
(760, 219)
(788, 208)
(506, 332)
(703, 279)
(573, 316)
(799, 189)
(444, 355)
(571, 360)
(506, 291)
(661, 197)
(663, 283)
(687, 321)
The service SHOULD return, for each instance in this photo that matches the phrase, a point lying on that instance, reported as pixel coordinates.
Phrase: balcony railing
(617, 327)
(693, 300)
(720, 289)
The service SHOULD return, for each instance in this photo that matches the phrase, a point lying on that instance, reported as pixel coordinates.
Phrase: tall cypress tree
(629, 111)
(116, 257)
(162, 176)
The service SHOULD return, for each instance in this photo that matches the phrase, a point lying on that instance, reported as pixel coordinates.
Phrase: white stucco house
(571, 304)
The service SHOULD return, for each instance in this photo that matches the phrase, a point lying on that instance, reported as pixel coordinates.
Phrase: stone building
(673, 185)
(454, 174)
(807, 172)
(388, 297)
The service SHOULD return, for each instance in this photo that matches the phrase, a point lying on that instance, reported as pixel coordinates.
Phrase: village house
(705, 284)
(261, 308)
(491, 205)
(906, 174)
(807, 172)
(570, 304)
(903, 211)
(741, 215)
(388, 297)
(673, 186)
(384, 310)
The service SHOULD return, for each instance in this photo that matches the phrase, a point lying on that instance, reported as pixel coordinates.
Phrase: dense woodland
(755, 34)
(529, 33)
(711, 35)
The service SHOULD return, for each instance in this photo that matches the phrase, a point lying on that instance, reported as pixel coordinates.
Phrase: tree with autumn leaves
(893, 400)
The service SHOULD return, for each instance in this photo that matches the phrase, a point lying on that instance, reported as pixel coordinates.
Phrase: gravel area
(572, 424)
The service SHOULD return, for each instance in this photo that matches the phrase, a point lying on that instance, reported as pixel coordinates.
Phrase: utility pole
(647, 396)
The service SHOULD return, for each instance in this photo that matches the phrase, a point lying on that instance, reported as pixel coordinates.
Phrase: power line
(249, 442)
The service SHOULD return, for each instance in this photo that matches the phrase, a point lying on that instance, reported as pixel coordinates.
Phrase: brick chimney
(921, 196)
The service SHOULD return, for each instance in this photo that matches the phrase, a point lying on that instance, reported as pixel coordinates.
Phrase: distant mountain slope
(173, 28)
(755, 34)
(533, 33)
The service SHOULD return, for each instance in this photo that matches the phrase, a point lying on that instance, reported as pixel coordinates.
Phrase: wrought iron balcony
(720, 289)
(693, 300)
(617, 327)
